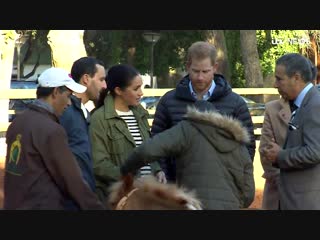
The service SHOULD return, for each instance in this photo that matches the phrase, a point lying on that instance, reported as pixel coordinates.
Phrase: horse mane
(169, 196)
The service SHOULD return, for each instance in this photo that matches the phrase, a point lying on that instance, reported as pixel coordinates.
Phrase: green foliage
(112, 47)
(8, 35)
(235, 61)
(105, 45)
(36, 46)
(170, 51)
(269, 51)
(274, 43)
(115, 46)
(40, 36)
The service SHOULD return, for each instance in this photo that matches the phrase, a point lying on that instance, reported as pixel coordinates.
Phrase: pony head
(148, 194)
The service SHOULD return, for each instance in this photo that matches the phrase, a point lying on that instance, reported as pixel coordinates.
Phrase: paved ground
(259, 181)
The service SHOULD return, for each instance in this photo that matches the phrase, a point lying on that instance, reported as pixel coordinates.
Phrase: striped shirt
(133, 127)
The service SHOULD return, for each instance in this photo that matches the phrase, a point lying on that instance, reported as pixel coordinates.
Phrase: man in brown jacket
(40, 169)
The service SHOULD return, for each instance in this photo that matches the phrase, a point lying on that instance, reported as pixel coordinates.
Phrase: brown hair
(201, 50)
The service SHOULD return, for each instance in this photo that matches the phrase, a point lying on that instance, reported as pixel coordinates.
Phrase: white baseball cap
(57, 77)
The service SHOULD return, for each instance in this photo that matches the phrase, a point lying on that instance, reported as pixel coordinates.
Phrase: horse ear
(127, 181)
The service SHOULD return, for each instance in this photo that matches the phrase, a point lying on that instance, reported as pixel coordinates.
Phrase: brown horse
(148, 194)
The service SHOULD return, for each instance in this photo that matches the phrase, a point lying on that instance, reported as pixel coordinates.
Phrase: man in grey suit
(300, 157)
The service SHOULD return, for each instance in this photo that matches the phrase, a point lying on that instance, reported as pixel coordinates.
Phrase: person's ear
(215, 67)
(85, 80)
(118, 91)
(55, 92)
(297, 76)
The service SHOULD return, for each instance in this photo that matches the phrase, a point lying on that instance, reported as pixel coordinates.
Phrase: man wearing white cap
(40, 169)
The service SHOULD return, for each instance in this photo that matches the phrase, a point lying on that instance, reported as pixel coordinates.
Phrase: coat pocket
(117, 142)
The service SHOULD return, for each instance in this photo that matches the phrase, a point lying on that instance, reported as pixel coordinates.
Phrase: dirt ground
(256, 204)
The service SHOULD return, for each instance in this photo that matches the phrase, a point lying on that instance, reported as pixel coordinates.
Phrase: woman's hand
(161, 177)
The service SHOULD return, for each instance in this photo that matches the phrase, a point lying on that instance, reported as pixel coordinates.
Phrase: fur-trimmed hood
(226, 126)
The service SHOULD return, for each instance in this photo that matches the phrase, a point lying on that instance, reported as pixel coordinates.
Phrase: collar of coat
(110, 112)
(36, 107)
(227, 123)
(222, 88)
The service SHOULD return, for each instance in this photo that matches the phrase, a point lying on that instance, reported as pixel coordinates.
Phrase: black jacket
(173, 106)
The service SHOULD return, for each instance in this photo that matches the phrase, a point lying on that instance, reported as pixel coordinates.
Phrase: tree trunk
(66, 47)
(7, 45)
(250, 57)
(130, 56)
(216, 37)
(313, 55)
(163, 81)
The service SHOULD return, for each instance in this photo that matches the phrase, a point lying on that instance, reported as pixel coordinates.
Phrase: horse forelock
(152, 193)
(170, 194)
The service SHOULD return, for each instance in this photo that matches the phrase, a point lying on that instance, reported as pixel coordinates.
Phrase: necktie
(293, 114)
(294, 109)
(293, 106)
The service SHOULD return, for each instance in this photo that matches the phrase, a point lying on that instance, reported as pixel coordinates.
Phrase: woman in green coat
(118, 125)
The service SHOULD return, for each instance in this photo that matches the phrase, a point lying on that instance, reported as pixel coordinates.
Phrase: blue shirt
(302, 94)
(205, 96)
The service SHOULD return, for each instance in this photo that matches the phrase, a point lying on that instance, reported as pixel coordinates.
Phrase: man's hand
(273, 180)
(271, 152)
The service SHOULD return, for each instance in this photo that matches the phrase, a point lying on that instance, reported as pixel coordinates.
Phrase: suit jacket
(275, 126)
(300, 158)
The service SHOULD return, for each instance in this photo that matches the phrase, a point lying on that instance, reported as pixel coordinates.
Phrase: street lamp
(153, 38)
(19, 42)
